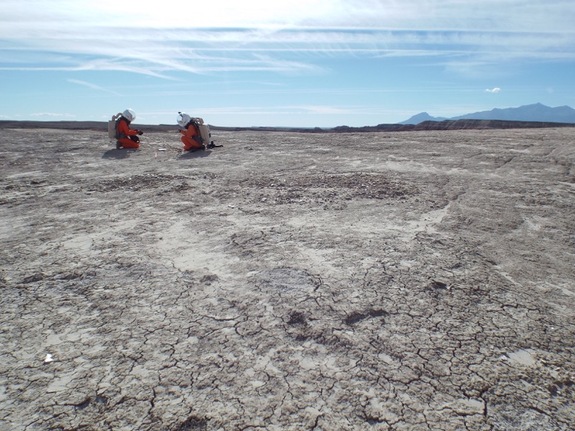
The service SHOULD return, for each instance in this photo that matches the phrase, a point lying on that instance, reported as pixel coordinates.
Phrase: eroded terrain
(385, 281)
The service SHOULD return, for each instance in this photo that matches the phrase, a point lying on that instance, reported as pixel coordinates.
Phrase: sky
(299, 63)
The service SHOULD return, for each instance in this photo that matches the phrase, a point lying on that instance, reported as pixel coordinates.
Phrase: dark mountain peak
(420, 118)
(536, 112)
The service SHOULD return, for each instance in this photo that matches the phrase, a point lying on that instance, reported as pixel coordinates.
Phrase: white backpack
(112, 126)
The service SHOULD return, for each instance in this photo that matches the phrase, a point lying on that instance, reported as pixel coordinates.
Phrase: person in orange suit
(126, 136)
(190, 131)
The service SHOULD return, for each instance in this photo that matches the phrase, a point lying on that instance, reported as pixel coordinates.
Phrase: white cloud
(458, 15)
(493, 90)
(142, 37)
(92, 86)
(51, 115)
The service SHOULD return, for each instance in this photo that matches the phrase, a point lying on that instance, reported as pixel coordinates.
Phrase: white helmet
(183, 119)
(129, 115)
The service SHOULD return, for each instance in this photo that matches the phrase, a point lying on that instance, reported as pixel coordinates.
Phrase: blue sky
(301, 63)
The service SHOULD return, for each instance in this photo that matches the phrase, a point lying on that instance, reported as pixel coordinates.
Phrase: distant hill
(451, 125)
(427, 123)
(536, 112)
(421, 117)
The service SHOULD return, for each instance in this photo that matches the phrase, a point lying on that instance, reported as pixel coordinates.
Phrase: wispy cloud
(141, 37)
(493, 90)
(53, 115)
(93, 86)
(279, 109)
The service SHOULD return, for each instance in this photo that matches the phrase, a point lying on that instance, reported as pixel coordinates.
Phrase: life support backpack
(113, 126)
(205, 134)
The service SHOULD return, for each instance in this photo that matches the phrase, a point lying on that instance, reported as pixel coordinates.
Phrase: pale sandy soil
(386, 281)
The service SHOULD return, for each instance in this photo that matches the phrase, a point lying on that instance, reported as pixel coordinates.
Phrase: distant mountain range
(536, 112)
(528, 116)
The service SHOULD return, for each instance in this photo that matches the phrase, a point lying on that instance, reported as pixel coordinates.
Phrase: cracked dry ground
(403, 281)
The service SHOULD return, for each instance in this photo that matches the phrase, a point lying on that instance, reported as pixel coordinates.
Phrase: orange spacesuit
(191, 137)
(127, 137)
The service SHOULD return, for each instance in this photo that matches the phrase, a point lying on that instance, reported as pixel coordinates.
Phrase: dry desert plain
(417, 280)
